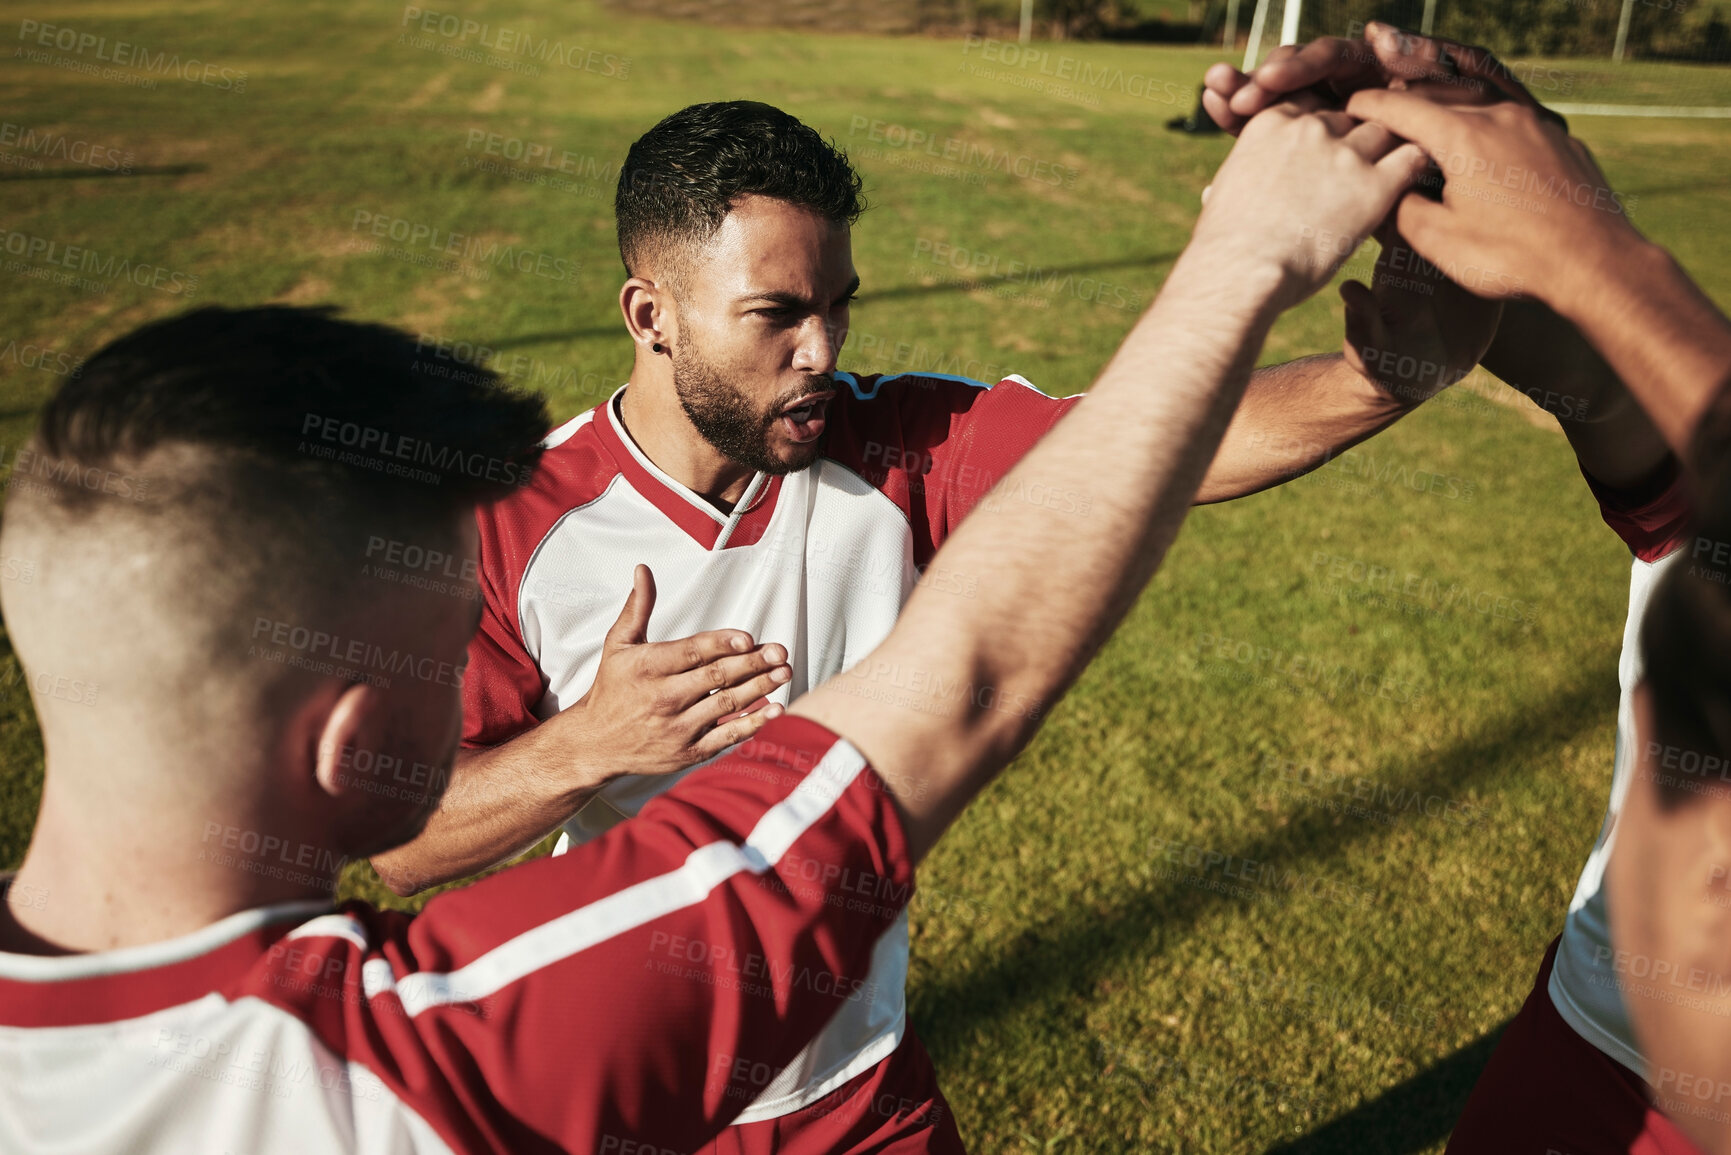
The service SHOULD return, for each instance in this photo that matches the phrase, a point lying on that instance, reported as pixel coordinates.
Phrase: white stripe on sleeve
(702, 871)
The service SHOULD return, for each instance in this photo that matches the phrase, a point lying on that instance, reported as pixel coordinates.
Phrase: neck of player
(120, 867)
(654, 420)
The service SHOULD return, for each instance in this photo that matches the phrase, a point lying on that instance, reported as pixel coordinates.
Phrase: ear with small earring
(656, 347)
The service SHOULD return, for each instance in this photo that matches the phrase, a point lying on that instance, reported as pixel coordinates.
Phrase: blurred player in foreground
(183, 984)
(1669, 876)
(1614, 323)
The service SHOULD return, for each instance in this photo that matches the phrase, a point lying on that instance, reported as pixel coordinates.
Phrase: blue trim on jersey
(853, 382)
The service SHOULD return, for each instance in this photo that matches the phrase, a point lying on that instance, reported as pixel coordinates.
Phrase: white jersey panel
(1584, 987)
(826, 580)
(207, 1076)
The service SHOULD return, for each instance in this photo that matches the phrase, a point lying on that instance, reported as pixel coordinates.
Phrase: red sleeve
(641, 987)
(502, 684)
(936, 444)
(1653, 518)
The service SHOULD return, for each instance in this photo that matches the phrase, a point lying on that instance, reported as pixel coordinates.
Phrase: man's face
(761, 321)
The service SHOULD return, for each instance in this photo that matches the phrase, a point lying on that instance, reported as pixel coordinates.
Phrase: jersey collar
(704, 523)
(113, 985)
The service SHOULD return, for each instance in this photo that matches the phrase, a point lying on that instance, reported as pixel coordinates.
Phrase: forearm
(1057, 582)
(1295, 417)
(1546, 359)
(1657, 330)
(500, 802)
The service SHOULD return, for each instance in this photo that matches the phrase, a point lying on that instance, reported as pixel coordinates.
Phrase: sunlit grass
(1075, 996)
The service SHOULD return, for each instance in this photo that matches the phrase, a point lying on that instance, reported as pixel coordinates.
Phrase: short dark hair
(272, 383)
(265, 448)
(1686, 635)
(680, 179)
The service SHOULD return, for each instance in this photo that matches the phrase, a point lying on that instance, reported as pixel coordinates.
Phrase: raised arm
(1326, 71)
(1410, 334)
(960, 685)
(1568, 242)
(1294, 417)
(1646, 322)
(1546, 359)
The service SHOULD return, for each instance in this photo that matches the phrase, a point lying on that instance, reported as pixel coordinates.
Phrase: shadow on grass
(1671, 190)
(894, 291)
(100, 174)
(1071, 952)
(1407, 1117)
(1045, 274)
(555, 337)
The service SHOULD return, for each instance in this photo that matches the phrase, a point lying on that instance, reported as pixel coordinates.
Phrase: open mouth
(803, 420)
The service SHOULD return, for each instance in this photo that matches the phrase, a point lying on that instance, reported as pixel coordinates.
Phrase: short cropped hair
(261, 449)
(681, 178)
(281, 385)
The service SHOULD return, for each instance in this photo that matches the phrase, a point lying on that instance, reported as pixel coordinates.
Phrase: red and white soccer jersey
(1586, 980)
(629, 997)
(1567, 1074)
(820, 561)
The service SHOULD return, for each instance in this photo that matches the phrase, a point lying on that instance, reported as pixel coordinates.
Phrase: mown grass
(1075, 997)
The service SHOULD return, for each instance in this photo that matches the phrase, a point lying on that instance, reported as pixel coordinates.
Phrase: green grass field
(1074, 997)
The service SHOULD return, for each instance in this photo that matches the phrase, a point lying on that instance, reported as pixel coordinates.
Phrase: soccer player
(785, 509)
(1613, 322)
(1672, 950)
(172, 977)
(1672, 346)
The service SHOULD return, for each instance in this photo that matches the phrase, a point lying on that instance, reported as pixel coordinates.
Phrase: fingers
(1216, 107)
(1336, 63)
(733, 699)
(1339, 124)
(1303, 103)
(1450, 72)
(1252, 98)
(632, 626)
(724, 673)
(1402, 168)
(1407, 115)
(1422, 221)
(1465, 65)
(1371, 141)
(664, 659)
(1447, 92)
(1406, 56)
(1223, 79)
(735, 731)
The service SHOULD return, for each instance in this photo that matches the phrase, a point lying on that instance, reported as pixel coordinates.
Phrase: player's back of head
(209, 496)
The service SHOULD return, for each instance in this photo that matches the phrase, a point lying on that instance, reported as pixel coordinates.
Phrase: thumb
(632, 628)
(1425, 224)
(1402, 168)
